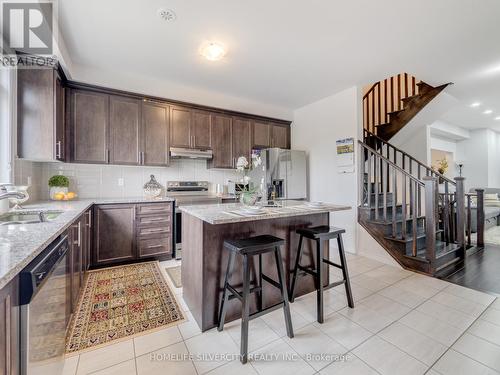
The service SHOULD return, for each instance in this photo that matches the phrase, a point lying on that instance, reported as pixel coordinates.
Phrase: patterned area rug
(120, 302)
(175, 275)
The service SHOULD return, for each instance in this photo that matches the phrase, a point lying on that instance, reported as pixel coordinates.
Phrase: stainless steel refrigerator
(282, 174)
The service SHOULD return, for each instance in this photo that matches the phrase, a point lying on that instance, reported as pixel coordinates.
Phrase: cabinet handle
(79, 240)
(156, 219)
(89, 213)
(159, 230)
(58, 150)
(107, 155)
(153, 246)
(143, 157)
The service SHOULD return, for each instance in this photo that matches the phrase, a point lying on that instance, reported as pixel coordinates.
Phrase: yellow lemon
(71, 195)
(59, 196)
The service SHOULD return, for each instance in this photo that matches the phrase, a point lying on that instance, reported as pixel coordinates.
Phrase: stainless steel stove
(188, 193)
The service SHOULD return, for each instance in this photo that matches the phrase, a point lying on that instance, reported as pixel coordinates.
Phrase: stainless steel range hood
(189, 153)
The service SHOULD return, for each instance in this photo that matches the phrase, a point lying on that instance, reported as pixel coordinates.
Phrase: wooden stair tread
(409, 238)
(442, 249)
(399, 220)
(396, 111)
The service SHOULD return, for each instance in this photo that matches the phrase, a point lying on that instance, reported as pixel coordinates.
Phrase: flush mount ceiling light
(488, 111)
(213, 51)
(167, 14)
(475, 104)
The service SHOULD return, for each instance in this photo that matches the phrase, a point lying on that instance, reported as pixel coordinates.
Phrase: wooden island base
(204, 262)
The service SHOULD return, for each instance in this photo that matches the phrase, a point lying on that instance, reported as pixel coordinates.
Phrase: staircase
(390, 104)
(421, 218)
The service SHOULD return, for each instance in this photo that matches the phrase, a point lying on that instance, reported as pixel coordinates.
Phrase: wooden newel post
(431, 202)
(460, 198)
(480, 217)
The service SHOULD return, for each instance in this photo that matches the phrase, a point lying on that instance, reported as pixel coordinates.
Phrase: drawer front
(154, 232)
(155, 246)
(164, 220)
(154, 208)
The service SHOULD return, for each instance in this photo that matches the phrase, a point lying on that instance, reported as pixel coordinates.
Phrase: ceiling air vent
(167, 14)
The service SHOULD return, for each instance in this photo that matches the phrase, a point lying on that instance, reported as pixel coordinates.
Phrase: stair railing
(385, 97)
(385, 182)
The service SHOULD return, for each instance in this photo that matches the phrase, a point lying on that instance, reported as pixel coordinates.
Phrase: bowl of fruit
(59, 186)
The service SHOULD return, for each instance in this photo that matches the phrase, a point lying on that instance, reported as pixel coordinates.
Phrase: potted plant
(250, 194)
(58, 185)
(442, 167)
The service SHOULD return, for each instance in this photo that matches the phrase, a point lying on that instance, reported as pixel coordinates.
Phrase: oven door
(44, 321)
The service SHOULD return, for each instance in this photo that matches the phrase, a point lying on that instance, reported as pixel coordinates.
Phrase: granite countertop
(21, 243)
(233, 213)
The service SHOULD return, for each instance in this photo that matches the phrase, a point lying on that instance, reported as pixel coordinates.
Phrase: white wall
(474, 153)
(315, 129)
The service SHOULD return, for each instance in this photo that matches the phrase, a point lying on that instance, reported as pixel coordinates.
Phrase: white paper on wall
(345, 155)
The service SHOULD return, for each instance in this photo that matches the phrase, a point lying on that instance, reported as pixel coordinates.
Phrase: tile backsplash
(111, 181)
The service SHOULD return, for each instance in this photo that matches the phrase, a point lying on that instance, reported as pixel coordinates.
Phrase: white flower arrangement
(243, 166)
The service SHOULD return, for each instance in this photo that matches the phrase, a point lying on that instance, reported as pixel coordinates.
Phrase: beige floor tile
(429, 326)
(189, 328)
(276, 321)
(470, 294)
(351, 366)
(234, 368)
(344, 330)
(459, 303)
(480, 350)
(334, 299)
(367, 318)
(385, 306)
(209, 344)
(387, 358)
(173, 359)
(124, 368)
(491, 315)
(414, 286)
(70, 365)
(259, 333)
(105, 357)
(306, 307)
(454, 363)
(414, 343)
(156, 340)
(371, 283)
(279, 358)
(446, 314)
(389, 274)
(311, 343)
(429, 282)
(486, 330)
(358, 292)
(402, 296)
(496, 304)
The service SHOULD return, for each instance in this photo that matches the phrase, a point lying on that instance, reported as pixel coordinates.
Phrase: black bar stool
(249, 247)
(321, 234)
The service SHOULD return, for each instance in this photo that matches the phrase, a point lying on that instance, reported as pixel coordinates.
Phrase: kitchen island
(204, 261)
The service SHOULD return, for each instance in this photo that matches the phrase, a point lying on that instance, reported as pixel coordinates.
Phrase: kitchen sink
(28, 217)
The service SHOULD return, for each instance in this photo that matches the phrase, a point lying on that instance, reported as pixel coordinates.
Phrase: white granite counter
(21, 243)
(234, 213)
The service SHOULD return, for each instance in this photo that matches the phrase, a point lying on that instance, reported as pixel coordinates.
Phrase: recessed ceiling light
(488, 111)
(167, 14)
(213, 51)
(475, 104)
(497, 118)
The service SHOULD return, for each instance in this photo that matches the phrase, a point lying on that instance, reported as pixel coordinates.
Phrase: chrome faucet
(5, 194)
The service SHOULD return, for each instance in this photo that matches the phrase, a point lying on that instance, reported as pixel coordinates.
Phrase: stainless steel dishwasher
(45, 310)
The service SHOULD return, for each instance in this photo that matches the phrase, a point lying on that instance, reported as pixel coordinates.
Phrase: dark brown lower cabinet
(114, 233)
(126, 232)
(9, 329)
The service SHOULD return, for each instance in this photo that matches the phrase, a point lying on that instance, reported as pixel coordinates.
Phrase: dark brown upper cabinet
(40, 115)
(242, 138)
(180, 127)
(124, 126)
(279, 136)
(154, 138)
(222, 142)
(114, 233)
(261, 135)
(89, 126)
(201, 130)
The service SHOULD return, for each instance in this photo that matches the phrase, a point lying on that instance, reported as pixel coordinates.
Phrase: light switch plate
(120, 181)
